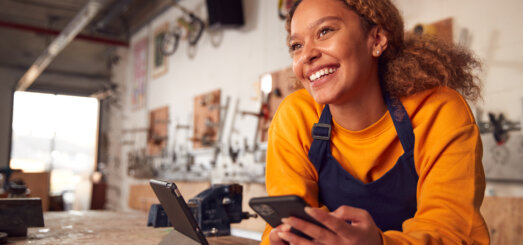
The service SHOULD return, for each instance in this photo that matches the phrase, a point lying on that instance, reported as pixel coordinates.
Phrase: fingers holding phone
(295, 223)
(361, 229)
(314, 234)
(274, 236)
(274, 208)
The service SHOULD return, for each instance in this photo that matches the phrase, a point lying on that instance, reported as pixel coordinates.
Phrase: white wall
(234, 65)
(498, 42)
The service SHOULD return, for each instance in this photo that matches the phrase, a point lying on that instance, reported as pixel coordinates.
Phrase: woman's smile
(321, 76)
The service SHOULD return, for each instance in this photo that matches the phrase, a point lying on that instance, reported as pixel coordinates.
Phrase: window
(58, 134)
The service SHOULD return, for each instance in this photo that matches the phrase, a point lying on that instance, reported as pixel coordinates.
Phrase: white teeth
(320, 73)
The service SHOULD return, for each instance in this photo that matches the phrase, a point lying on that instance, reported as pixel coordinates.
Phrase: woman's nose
(310, 53)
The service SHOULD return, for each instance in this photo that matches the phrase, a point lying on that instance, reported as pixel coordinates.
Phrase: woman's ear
(378, 41)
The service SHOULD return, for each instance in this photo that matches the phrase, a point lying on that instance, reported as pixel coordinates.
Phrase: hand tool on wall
(191, 23)
(498, 125)
(224, 110)
(500, 134)
(170, 41)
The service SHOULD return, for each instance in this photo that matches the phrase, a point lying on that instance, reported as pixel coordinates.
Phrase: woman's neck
(360, 112)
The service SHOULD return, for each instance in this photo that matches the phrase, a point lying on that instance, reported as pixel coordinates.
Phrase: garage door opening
(57, 134)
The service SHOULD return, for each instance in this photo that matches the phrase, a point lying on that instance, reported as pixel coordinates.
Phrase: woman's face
(332, 57)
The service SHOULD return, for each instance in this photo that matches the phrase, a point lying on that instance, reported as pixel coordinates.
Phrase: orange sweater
(447, 156)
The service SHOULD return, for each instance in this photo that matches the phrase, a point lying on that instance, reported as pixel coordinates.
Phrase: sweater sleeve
(288, 169)
(451, 182)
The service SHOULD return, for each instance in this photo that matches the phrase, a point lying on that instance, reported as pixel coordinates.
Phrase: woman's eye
(294, 47)
(324, 31)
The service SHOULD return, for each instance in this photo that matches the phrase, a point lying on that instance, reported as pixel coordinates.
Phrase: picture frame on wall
(139, 74)
(159, 61)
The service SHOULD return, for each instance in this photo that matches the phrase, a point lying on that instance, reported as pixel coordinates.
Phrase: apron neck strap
(322, 130)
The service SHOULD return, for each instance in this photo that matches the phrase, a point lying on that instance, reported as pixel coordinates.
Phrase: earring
(377, 52)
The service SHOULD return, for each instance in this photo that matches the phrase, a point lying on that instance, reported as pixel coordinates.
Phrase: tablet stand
(175, 237)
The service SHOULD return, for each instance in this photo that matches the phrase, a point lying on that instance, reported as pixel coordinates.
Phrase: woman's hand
(362, 229)
(274, 238)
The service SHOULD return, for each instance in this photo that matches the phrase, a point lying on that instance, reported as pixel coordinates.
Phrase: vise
(217, 207)
(10, 188)
(17, 213)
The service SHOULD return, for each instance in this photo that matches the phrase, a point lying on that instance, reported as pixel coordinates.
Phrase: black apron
(391, 199)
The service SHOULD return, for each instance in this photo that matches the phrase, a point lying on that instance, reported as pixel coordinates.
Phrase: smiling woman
(320, 44)
(394, 154)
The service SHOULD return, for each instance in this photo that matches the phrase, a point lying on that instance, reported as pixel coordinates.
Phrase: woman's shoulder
(300, 101)
(442, 104)
(300, 96)
(297, 108)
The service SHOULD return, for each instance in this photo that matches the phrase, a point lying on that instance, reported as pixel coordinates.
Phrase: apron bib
(391, 199)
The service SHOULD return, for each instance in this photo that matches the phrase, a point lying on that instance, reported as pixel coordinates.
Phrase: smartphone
(272, 209)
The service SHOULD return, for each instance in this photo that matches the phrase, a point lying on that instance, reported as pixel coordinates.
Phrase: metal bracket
(321, 125)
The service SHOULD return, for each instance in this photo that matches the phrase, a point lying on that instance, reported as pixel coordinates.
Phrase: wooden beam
(60, 42)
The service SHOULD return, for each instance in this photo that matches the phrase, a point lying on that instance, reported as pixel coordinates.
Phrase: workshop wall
(487, 28)
(234, 60)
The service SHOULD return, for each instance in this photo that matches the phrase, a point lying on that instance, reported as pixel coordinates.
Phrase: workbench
(104, 227)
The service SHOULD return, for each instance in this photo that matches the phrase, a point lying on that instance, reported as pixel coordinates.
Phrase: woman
(394, 154)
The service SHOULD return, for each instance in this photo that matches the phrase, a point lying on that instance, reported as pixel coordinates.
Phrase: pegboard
(206, 119)
(441, 29)
(157, 133)
(283, 83)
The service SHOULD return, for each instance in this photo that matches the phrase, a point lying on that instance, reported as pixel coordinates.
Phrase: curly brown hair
(413, 63)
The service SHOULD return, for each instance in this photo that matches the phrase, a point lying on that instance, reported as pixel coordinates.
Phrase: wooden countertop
(504, 217)
(104, 227)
